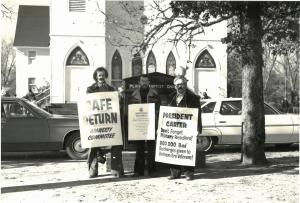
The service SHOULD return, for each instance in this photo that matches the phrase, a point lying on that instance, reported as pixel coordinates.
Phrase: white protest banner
(141, 121)
(177, 136)
(99, 119)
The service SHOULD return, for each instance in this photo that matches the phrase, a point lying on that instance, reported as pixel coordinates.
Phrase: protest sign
(99, 119)
(177, 136)
(141, 121)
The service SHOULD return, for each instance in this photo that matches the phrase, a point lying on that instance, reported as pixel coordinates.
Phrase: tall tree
(8, 65)
(7, 10)
(290, 64)
(252, 91)
(234, 75)
(251, 24)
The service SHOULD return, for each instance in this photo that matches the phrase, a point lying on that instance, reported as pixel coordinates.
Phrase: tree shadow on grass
(216, 170)
(44, 155)
(99, 180)
(231, 169)
(24, 159)
(28, 163)
(220, 149)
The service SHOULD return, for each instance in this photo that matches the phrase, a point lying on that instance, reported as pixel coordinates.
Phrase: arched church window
(205, 60)
(171, 64)
(137, 65)
(77, 58)
(151, 63)
(116, 69)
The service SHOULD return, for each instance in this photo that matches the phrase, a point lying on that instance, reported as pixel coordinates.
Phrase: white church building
(64, 42)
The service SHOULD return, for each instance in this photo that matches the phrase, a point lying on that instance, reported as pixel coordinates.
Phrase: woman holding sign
(97, 153)
(184, 98)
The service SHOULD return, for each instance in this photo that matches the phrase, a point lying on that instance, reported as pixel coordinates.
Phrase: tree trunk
(253, 101)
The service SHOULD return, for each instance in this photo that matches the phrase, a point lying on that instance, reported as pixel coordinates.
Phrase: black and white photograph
(150, 101)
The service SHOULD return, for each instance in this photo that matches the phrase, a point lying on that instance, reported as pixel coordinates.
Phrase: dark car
(26, 127)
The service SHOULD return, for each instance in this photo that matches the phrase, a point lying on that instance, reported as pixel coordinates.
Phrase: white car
(221, 121)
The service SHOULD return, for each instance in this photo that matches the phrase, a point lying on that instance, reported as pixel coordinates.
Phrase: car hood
(296, 119)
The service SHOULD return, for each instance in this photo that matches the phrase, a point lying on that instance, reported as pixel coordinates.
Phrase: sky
(8, 26)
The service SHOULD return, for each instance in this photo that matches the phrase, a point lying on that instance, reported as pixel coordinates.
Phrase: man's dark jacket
(95, 88)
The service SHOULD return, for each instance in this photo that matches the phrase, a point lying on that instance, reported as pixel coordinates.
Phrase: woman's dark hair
(99, 70)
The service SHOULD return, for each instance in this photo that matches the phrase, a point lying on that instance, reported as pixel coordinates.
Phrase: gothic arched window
(116, 69)
(151, 63)
(137, 65)
(205, 60)
(171, 64)
(77, 58)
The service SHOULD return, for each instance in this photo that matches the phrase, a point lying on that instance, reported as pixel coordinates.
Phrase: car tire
(205, 143)
(73, 147)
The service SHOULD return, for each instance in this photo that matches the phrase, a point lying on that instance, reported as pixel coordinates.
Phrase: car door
(228, 121)
(23, 130)
(278, 127)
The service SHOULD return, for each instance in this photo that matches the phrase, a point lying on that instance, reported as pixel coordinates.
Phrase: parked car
(221, 120)
(26, 127)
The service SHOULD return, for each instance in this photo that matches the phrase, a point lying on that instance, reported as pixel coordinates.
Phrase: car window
(3, 113)
(16, 110)
(202, 102)
(269, 110)
(231, 108)
(35, 108)
(209, 108)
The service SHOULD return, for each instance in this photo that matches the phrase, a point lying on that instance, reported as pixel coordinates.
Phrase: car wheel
(74, 149)
(205, 143)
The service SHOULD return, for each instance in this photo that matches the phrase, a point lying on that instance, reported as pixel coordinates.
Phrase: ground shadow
(97, 180)
(34, 155)
(219, 149)
(10, 160)
(231, 169)
(217, 170)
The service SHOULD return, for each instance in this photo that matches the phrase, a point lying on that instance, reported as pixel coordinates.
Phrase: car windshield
(209, 108)
(202, 102)
(273, 108)
(38, 109)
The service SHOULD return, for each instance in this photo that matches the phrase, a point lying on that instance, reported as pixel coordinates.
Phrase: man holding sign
(142, 123)
(100, 124)
(179, 125)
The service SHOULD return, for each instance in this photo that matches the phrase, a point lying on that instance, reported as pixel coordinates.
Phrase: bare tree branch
(7, 12)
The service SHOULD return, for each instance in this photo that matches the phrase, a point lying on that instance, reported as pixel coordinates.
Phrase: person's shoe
(189, 177)
(93, 176)
(135, 175)
(153, 175)
(117, 173)
(93, 169)
(120, 175)
(92, 172)
(172, 178)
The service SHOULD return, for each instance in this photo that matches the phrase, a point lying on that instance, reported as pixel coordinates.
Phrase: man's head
(144, 81)
(100, 75)
(180, 83)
